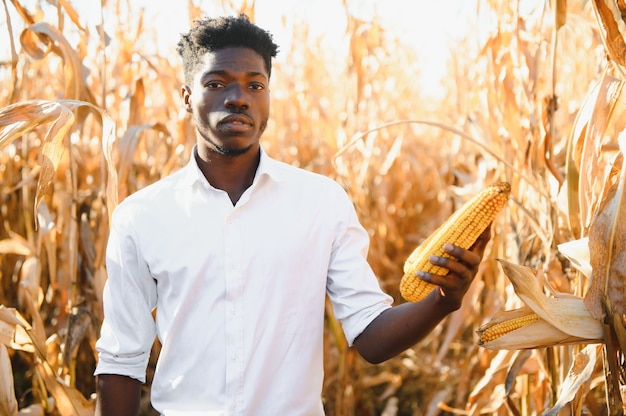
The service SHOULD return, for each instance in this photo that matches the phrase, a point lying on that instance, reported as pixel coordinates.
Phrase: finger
(455, 270)
(450, 285)
(441, 281)
(470, 258)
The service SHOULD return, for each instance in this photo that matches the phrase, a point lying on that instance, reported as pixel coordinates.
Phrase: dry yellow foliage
(533, 95)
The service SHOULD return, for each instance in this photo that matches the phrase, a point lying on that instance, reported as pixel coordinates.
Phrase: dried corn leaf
(8, 402)
(614, 30)
(6, 332)
(37, 331)
(87, 243)
(32, 114)
(81, 322)
(517, 365)
(15, 335)
(16, 245)
(68, 400)
(13, 317)
(42, 38)
(32, 410)
(71, 12)
(581, 371)
(575, 144)
(609, 103)
(25, 339)
(20, 118)
(137, 110)
(45, 218)
(489, 393)
(22, 340)
(48, 222)
(607, 244)
(30, 281)
(24, 14)
(560, 14)
(126, 147)
(577, 252)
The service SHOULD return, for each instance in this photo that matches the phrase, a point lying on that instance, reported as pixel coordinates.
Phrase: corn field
(87, 117)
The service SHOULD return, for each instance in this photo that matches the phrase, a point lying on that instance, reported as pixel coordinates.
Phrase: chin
(232, 152)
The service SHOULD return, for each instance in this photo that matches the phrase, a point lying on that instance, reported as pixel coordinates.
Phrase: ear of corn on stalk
(462, 229)
(567, 313)
(519, 329)
(499, 329)
(510, 330)
(543, 321)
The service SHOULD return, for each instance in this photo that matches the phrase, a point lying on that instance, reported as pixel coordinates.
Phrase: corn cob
(462, 229)
(501, 328)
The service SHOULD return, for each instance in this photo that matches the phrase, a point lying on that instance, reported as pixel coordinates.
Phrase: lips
(235, 122)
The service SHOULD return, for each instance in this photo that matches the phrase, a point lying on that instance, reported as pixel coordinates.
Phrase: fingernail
(448, 247)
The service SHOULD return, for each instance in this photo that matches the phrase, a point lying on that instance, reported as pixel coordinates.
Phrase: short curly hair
(211, 34)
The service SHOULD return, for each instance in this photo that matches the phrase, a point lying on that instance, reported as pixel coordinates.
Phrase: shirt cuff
(354, 329)
(133, 367)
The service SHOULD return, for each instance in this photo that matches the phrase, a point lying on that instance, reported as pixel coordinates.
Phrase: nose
(236, 97)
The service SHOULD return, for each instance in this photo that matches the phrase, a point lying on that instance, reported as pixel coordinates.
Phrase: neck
(233, 175)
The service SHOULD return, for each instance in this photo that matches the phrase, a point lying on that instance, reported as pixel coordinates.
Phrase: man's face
(229, 100)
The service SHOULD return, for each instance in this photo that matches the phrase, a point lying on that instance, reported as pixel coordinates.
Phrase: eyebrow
(221, 72)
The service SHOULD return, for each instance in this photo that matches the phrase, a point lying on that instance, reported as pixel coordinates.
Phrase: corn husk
(562, 320)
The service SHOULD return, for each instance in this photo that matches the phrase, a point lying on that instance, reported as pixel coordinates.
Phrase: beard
(220, 148)
(228, 151)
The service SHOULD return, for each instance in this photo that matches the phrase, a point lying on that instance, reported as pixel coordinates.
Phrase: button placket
(234, 305)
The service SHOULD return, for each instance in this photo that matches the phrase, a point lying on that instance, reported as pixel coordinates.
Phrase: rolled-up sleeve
(353, 288)
(128, 329)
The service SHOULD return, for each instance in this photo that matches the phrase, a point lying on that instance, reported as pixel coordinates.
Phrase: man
(236, 252)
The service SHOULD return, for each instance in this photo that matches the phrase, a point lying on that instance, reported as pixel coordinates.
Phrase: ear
(185, 93)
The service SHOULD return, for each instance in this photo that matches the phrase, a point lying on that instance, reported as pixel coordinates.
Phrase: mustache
(236, 117)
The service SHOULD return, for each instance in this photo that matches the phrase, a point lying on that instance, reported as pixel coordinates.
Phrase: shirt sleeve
(128, 329)
(352, 286)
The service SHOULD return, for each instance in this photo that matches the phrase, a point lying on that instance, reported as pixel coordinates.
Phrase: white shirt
(239, 291)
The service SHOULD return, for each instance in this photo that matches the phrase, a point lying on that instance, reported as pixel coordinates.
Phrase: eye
(257, 86)
(213, 85)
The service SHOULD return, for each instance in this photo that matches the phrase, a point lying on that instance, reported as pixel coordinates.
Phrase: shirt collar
(269, 167)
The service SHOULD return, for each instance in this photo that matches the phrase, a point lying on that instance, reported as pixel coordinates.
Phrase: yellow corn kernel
(502, 328)
(462, 229)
